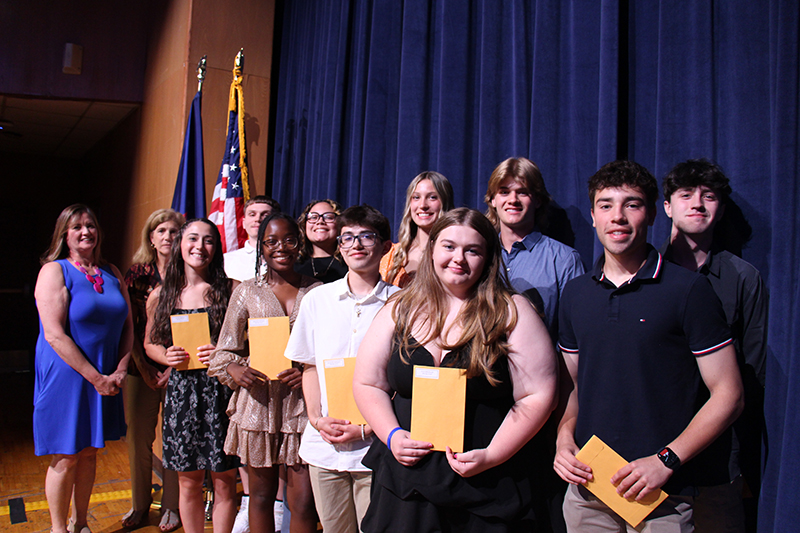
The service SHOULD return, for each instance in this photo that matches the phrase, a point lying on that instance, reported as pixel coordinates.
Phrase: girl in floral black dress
(195, 423)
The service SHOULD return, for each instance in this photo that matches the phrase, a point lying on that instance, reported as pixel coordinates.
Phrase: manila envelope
(339, 385)
(268, 340)
(605, 462)
(438, 403)
(189, 332)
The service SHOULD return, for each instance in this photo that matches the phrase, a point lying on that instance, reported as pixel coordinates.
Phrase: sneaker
(278, 515)
(242, 522)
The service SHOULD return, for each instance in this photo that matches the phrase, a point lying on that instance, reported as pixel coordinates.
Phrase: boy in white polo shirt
(330, 325)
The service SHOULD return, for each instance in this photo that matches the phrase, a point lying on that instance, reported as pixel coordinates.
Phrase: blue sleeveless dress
(68, 413)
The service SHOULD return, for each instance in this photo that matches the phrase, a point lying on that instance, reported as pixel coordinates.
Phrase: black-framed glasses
(368, 239)
(329, 216)
(289, 243)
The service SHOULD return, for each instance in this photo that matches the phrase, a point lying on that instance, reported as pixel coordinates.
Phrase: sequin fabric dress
(267, 420)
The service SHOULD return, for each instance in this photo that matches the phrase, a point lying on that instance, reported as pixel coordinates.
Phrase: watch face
(669, 459)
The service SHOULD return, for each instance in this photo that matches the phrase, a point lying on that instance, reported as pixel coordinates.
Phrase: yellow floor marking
(100, 497)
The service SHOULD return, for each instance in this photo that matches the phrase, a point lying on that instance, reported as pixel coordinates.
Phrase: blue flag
(190, 192)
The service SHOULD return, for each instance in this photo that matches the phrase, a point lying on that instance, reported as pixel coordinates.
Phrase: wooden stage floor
(22, 473)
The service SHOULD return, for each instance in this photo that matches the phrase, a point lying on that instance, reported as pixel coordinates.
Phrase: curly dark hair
(732, 231)
(618, 174)
(175, 281)
(696, 173)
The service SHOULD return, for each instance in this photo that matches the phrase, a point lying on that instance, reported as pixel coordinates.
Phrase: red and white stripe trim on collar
(658, 266)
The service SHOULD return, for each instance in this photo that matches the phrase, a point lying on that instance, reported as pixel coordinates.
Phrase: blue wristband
(389, 440)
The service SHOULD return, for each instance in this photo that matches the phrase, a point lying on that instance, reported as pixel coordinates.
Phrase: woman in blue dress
(82, 353)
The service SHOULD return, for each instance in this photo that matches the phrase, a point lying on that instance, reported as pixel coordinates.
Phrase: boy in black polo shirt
(647, 332)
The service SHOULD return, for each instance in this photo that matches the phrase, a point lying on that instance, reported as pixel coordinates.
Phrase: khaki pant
(583, 512)
(341, 498)
(141, 414)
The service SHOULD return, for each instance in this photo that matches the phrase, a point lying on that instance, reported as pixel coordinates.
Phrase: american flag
(232, 189)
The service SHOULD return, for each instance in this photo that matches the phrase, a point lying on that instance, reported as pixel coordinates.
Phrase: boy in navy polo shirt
(649, 333)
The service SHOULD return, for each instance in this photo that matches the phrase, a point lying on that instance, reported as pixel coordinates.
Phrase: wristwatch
(669, 458)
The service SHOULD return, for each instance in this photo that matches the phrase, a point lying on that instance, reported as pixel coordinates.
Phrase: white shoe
(278, 515)
(242, 523)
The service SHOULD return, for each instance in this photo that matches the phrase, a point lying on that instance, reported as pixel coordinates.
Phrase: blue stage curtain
(372, 93)
(779, 184)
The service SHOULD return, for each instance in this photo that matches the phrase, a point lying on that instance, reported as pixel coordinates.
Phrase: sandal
(133, 519)
(72, 528)
(170, 521)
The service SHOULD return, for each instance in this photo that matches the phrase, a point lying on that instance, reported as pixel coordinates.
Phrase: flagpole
(201, 73)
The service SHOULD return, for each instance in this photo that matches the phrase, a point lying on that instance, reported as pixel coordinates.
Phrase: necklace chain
(314, 269)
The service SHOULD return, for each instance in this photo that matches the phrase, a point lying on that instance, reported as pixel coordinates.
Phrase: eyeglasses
(330, 216)
(289, 243)
(367, 240)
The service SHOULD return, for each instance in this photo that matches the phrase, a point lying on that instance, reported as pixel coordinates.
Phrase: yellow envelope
(339, 385)
(438, 403)
(189, 332)
(605, 462)
(268, 339)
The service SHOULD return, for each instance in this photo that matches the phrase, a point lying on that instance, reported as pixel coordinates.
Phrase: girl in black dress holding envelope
(195, 423)
(459, 311)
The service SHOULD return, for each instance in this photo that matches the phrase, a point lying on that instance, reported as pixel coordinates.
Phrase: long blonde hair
(488, 316)
(58, 248)
(146, 254)
(408, 229)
